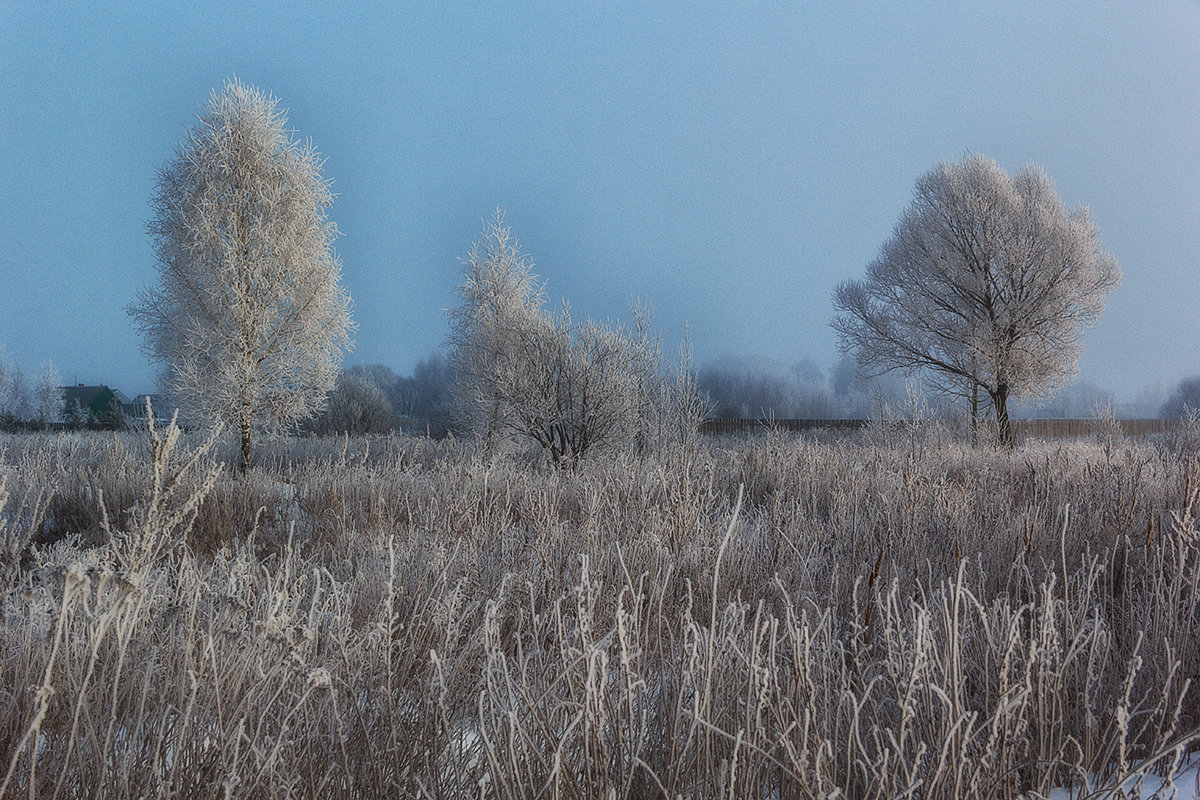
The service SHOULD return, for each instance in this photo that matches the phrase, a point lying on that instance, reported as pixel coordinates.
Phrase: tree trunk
(493, 421)
(974, 413)
(1000, 400)
(245, 439)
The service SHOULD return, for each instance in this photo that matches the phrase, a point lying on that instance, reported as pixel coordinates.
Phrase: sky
(729, 162)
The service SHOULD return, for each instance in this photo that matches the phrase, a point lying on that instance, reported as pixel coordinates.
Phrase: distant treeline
(373, 398)
(757, 388)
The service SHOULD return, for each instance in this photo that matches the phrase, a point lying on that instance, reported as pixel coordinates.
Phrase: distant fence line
(1060, 428)
(717, 427)
(1022, 428)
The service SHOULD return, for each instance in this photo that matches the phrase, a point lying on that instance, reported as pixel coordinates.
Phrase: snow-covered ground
(1183, 785)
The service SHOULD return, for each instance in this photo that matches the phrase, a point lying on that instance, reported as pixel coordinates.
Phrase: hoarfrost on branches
(48, 396)
(249, 315)
(569, 384)
(501, 304)
(986, 283)
(13, 392)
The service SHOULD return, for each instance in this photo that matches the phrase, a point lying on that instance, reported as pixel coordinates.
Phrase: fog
(731, 165)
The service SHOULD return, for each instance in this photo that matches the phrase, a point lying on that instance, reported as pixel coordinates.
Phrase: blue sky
(730, 162)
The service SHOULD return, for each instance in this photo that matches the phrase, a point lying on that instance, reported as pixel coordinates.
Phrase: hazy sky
(729, 162)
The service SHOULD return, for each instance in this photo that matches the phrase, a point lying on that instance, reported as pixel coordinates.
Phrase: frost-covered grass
(893, 615)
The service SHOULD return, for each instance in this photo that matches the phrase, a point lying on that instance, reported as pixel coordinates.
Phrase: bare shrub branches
(570, 385)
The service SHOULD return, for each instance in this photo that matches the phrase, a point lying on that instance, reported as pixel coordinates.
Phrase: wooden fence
(1069, 428)
(1022, 428)
(718, 427)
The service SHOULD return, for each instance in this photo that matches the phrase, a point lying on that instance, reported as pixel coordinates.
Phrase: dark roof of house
(85, 395)
(96, 398)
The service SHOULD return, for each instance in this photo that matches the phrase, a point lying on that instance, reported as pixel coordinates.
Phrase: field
(880, 614)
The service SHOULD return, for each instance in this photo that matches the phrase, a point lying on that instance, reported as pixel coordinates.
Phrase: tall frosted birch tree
(986, 284)
(249, 316)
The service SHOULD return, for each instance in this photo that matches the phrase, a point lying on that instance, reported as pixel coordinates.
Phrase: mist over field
(600, 402)
(731, 164)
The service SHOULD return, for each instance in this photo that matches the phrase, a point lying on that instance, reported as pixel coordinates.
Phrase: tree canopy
(985, 284)
(249, 316)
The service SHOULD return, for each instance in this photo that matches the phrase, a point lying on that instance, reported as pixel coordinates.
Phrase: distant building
(91, 400)
(107, 408)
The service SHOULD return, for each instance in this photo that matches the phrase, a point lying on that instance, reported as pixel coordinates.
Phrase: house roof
(84, 395)
(95, 398)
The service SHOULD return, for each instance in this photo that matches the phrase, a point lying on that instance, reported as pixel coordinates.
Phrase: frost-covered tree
(1186, 396)
(249, 315)
(48, 396)
(501, 303)
(77, 416)
(570, 385)
(985, 283)
(356, 406)
(14, 401)
(671, 404)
